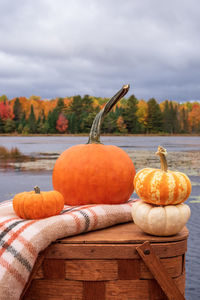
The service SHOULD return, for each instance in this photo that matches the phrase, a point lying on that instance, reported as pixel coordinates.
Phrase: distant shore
(103, 134)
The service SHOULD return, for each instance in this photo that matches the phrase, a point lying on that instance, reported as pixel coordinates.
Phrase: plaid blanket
(22, 240)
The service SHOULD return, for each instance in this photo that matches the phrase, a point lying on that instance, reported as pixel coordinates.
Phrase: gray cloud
(62, 48)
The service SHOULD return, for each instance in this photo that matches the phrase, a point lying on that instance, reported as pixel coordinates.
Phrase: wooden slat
(128, 269)
(94, 290)
(173, 265)
(39, 274)
(180, 283)
(55, 289)
(124, 234)
(54, 268)
(91, 270)
(37, 265)
(159, 272)
(104, 251)
(155, 291)
(127, 289)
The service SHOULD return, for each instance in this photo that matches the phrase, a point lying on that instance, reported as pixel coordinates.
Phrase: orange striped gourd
(162, 186)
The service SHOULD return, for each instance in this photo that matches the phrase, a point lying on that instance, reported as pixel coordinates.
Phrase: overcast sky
(67, 47)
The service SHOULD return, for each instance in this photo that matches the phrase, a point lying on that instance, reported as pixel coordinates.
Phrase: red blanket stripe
(13, 271)
(16, 234)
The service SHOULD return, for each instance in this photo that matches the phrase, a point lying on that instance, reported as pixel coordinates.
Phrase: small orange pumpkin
(162, 187)
(38, 205)
(95, 173)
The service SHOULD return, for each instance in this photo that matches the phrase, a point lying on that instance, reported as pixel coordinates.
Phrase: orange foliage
(142, 111)
(38, 104)
(194, 118)
(120, 125)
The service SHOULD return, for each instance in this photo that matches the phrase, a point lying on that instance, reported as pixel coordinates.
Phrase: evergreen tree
(129, 115)
(71, 122)
(22, 123)
(43, 118)
(9, 126)
(88, 113)
(51, 121)
(184, 120)
(17, 110)
(60, 105)
(74, 115)
(174, 118)
(23, 119)
(166, 118)
(32, 125)
(110, 123)
(1, 125)
(49, 125)
(154, 118)
(40, 122)
(176, 122)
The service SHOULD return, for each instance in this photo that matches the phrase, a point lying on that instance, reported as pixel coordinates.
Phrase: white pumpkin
(160, 220)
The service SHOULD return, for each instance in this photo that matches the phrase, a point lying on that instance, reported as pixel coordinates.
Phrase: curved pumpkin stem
(162, 152)
(94, 137)
(37, 189)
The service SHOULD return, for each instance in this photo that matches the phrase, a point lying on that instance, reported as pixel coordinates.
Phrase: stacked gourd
(161, 210)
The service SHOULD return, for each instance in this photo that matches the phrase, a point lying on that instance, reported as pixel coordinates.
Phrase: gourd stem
(37, 189)
(162, 153)
(94, 137)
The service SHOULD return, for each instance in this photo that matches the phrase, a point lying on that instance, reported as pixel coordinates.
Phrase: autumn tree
(142, 115)
(5, 111)
(62, 123)
(3, 99)
(194, 118)
(121, 125)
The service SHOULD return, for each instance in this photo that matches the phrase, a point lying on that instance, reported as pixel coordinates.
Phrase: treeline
(75, 115)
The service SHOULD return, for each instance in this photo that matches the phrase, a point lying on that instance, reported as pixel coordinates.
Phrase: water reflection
(47, 144)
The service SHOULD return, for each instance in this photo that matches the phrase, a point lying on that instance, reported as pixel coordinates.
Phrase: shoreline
(103, 134)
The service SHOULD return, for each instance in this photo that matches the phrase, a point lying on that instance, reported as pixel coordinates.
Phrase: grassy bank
(9, 154)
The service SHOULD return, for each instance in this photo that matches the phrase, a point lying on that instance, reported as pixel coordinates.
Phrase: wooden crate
(108, 265)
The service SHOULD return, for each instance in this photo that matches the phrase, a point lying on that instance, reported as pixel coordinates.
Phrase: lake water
(184, 155)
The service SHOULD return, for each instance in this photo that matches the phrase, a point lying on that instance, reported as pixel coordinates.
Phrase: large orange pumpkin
(162, 186)
(95, 173)
(37, 205)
